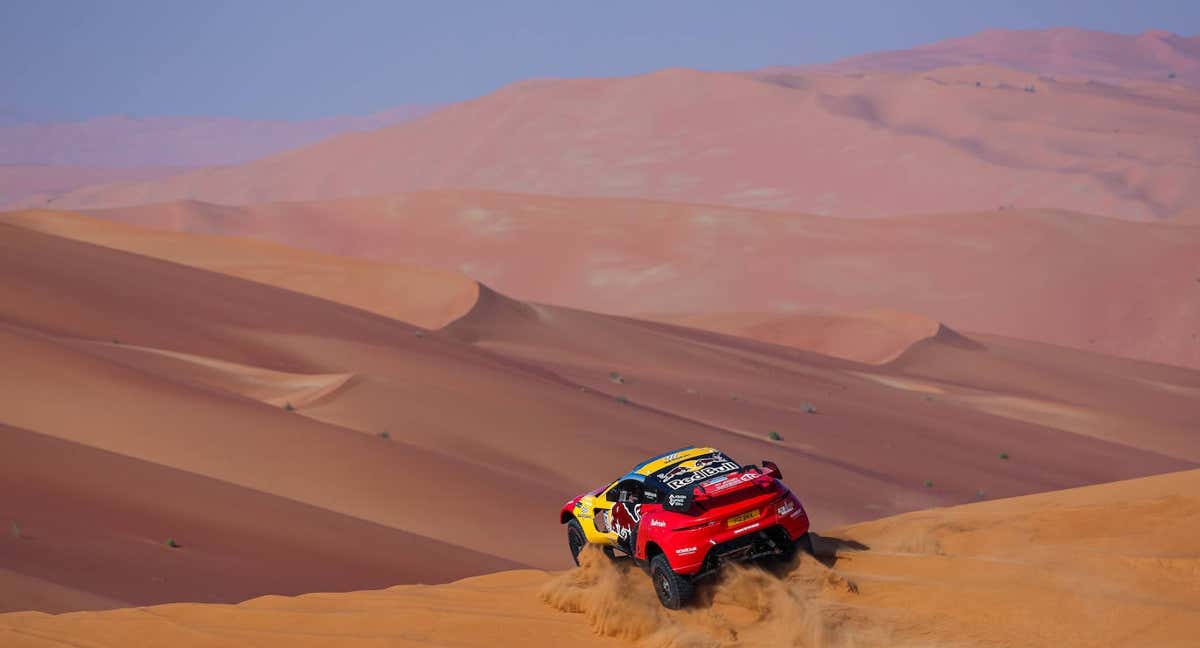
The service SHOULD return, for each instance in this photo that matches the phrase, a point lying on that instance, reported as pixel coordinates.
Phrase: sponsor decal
(676, 500)
(692, 465)
(658, 523)
(672, 457)
(620, 526)
(729, 482)
(785, 508)
(685, 551)
(746, 528)
(677, 481)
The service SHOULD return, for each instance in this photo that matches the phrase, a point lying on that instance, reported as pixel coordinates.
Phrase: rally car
(681, 515)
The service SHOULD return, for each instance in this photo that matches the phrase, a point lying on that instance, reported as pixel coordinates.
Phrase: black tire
(576, 540)
(674, 591)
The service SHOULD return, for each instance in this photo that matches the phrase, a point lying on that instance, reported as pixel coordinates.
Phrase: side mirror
(771, 469)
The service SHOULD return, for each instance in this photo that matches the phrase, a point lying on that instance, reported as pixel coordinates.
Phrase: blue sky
(300, 59)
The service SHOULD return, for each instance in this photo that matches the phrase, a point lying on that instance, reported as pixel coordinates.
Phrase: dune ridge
(155, 362)
(874, 337)
(1031, 274)
(1153, 55)
(940, 577)
(809, 142)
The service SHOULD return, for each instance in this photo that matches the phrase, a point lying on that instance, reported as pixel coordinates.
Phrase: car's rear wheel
(575, 539)
(674, 590)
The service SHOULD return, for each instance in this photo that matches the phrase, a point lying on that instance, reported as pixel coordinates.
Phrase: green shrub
(288, 406)
(172, 544)
(809, 408)
(616, 377)
(622, 400)
(928, 483)
(774, 436)
(15, 530)
(1004, 456)
(385, 435)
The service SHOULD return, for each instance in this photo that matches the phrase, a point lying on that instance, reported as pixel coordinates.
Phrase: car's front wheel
(674, 590)
(575, 539)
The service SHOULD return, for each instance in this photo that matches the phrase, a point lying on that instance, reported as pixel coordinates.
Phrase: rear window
(683, 476)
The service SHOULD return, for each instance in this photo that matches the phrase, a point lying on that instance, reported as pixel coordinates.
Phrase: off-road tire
(674, 590)
(576, 540)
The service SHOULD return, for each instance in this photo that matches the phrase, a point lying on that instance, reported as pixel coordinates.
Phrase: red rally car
(681, 515)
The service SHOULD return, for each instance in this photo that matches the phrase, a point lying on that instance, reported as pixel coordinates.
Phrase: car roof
(655, 464)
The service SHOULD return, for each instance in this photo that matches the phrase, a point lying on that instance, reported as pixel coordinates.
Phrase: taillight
(694, 527)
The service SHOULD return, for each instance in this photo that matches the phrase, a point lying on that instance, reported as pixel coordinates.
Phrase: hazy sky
(298, 59)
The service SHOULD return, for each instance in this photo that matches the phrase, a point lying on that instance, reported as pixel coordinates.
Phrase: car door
(626, 515)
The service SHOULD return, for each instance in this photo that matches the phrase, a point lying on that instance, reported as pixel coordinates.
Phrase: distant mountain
(1154, 55)
(822, 142)
(141, 142)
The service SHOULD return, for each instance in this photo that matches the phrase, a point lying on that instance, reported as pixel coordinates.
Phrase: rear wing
(751, 475)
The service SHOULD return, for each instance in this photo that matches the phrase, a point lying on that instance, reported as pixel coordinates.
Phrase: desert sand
(39, 183)
(414, 448)
(1108, 565)
(854, 144)
(1093, 283)
(1153, 55)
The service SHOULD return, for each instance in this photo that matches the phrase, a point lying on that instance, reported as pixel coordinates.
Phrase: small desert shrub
(288, 406)
(116, 341)
(385, 435)
(419, 333)
(809, 408)
(15, 530)
(172, 544)
(928, 483)
(774, 436)
(1171, 75)
(1003, 455)
(616, 377)
(622, 400)
(979, 494)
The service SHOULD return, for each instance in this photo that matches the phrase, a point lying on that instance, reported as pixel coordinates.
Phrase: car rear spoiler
(748, 476)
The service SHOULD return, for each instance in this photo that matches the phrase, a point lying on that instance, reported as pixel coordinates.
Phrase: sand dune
(1092, 283)
(39, 183)
(861, 145)
(1110, 565)
(873, 337)
(417, 295)
(180, 369)
(1155, 55)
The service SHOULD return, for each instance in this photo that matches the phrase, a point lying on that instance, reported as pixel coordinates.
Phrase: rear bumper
(762, 538)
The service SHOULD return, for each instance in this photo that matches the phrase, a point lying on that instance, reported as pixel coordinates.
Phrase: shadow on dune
(826, 549)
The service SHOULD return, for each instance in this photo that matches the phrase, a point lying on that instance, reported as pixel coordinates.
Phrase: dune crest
(1110, 565)
(807, 142)
(423, 296)
(875, 336)
(279, 388)
(1017, 273)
